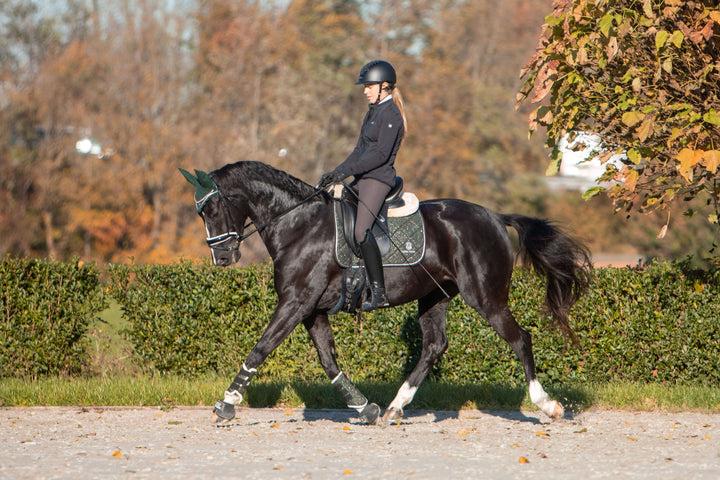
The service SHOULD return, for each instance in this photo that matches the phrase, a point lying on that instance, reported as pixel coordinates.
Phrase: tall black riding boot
(373, 266)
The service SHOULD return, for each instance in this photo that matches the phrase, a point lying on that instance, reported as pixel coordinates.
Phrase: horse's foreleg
(284, 321)
(432, 320)
(321, 334)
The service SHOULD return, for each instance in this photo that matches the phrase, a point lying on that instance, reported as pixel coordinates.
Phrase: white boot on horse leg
(539, 397)
(394, 412)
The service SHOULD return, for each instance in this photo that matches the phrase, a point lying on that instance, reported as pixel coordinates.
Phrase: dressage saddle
(349, 203)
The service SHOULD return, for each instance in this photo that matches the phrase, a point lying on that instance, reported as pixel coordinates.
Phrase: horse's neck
(268, 192)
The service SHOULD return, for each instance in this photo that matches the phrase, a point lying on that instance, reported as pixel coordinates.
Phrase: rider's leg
(371, 194)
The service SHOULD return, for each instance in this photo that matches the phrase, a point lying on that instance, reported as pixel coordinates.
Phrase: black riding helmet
(377, 71)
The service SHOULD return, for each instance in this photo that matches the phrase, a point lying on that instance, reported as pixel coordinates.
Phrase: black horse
(468, 251)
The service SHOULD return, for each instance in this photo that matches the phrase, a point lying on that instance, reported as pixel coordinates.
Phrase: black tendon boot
(369, 412)
(373, 267)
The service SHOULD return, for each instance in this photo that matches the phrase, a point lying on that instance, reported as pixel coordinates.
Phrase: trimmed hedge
(46, 308)
(655, 324)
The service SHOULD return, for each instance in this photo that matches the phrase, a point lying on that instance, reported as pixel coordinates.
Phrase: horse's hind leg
(321, 334)
(431, 315)
(520, 341)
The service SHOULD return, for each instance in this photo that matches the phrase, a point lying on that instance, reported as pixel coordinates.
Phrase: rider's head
(379, 79)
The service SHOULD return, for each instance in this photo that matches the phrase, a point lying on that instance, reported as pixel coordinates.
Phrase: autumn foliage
(644, 76)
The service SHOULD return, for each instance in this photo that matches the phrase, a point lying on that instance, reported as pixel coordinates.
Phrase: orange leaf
(346, 428)
(630, 178)
(688, 158)
(646, 128)
(117, 454)
(523, 460)
(347, 471)
(711, 159)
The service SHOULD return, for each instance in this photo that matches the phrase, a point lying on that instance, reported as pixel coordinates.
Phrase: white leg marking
(233, 398)
(403, 397)
(551, 408)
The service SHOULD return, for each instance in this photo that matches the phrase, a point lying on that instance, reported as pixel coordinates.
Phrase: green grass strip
(169, 391)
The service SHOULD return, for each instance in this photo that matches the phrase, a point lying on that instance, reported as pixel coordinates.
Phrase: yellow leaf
(347, 428)
(117, 454)
(677, 38)
(637, 84)
(711, 160)
(463, 432)
(632, 118)
(540, 433)
(688, 158)
(632, 439)
(667, 65)
(347, 471)
(523, 460)
(630, 178)
(275, 425)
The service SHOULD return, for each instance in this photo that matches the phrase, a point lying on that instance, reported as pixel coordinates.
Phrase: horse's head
(220, 216)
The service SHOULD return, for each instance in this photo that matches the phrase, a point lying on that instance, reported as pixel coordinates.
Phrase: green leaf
(712, 117)
(606, 23)
(592, 192)
(634, 155)
(677, 38)
(553, 21)
(660, 39)
(555, 161)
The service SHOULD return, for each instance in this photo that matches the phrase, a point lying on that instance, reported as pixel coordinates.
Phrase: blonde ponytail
(397, 98)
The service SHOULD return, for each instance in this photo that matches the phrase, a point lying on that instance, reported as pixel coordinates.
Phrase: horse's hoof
(223, 411)
(558, 411)
(370, 414)
(391, 416)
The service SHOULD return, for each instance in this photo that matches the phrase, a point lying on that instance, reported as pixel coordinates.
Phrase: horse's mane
(264, 179)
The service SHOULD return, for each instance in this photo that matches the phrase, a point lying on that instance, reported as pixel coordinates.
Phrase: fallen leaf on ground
(523, 460)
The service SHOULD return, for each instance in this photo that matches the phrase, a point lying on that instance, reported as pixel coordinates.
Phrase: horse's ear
(205, 179)
(189, 177)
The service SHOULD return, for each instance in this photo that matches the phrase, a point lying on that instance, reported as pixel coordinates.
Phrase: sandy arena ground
(149, 443)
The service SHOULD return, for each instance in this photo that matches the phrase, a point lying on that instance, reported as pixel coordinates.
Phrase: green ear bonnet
(205, 187)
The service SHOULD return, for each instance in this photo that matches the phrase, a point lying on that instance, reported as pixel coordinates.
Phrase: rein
(217, 241)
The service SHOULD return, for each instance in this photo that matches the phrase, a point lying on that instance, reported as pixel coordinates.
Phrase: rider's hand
(336, 176)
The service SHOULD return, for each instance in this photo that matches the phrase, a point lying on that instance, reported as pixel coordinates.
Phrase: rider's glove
(336, 176)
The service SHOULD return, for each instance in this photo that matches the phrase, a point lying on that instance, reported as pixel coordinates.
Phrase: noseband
(220, 242)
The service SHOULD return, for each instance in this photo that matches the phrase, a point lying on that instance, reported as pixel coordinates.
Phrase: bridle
(220, 242)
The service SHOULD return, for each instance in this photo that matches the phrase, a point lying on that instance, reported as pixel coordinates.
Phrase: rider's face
(371, 92)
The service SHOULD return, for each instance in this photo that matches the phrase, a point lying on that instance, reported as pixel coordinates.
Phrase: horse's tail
(563, 260)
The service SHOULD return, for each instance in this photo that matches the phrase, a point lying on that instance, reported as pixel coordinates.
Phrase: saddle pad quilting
(408, 242)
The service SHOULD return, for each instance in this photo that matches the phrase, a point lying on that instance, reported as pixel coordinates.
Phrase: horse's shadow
(435, 401)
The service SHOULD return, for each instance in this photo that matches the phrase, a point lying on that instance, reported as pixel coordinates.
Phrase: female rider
(372, 164)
